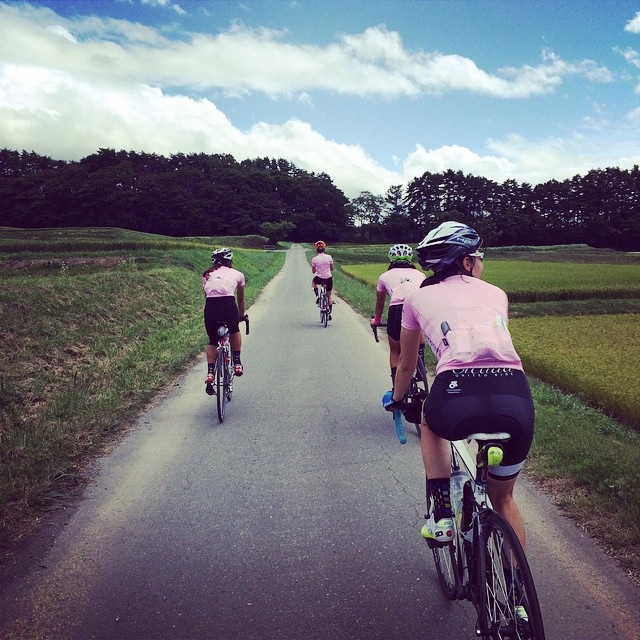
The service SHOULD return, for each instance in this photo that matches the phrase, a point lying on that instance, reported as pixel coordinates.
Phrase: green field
(578, 354)
(592, 356)
(526, 281)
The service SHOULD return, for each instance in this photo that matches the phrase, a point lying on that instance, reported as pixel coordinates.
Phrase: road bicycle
(485, 562)
(224, 373)
(323, 303)
(415, 395)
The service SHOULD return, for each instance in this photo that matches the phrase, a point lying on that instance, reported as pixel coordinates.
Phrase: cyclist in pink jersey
(480, 384)
(222, 284)
(322, 268)
(397, 282)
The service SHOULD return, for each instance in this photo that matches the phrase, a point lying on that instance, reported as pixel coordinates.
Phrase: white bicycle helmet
(446, 244)
(222, 254)
(400, 253)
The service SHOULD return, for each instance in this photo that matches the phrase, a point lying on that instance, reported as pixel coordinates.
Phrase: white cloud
(526, 161)
(632, 57)
(634, 24)
(374, 62)
(166, 3)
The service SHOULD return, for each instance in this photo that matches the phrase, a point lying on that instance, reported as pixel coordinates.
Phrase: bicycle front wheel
(509, 607)
(221, 393)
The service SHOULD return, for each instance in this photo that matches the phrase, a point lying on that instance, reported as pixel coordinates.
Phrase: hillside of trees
(207, 195)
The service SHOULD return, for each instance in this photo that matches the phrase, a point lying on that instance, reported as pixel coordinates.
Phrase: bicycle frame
(224, 372)
(485, 563)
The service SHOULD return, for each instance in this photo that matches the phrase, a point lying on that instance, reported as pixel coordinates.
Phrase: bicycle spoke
(511, 609)
(445, 557)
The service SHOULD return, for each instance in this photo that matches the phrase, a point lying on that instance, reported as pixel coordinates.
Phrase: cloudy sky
(371, 92)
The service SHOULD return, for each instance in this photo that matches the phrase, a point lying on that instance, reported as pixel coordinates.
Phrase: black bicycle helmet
(221, 255)
(446, 244)
(400, 253)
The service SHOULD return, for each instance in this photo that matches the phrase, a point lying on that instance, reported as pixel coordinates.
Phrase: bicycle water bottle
(458, 478)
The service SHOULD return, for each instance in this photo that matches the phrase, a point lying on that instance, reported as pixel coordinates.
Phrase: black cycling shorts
(327, 282)
(219, 311)
(394, 321)
(466, 401)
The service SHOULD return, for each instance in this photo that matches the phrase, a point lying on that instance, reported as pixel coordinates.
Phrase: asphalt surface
(298, 517)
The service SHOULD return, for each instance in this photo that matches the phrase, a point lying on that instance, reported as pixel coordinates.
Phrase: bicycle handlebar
(374, 328)
(245, 319)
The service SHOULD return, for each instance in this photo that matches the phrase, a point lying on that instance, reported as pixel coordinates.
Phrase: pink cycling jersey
(222, 282)
(323, 263)
(398, 283)
(464, 320)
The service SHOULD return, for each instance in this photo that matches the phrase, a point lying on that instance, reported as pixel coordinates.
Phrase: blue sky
(372, 93)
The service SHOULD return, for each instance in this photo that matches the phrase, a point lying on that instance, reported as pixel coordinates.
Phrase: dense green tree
(200, 194)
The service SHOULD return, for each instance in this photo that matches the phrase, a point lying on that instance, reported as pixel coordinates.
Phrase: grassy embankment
(575, 318)
(94, 323)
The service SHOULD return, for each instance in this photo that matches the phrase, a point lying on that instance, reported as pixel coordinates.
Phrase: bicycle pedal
(434, 544)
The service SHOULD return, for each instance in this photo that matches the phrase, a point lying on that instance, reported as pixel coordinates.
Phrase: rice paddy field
(585, 334)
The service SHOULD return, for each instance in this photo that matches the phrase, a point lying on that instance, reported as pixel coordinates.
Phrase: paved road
(297, 518)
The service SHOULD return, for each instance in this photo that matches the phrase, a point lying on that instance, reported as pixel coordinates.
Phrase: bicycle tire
(221, 396)
(421, 374)
(419, 388)
(413, 396)
(509, 607)
(445, 557)
(228, 381)
(324, 310)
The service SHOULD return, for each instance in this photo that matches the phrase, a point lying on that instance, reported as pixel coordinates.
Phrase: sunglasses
(477, 254)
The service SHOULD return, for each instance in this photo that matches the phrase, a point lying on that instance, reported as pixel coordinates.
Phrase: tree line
(210, 195)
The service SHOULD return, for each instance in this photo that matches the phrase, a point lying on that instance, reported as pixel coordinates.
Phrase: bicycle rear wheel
(324, 310)
(421, 376)
(221, 373)
(418, 391)
(445, 557)
(509, 607)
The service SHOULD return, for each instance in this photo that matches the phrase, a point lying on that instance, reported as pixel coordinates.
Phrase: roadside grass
(587, 460)
(589, 463)
(89, 338)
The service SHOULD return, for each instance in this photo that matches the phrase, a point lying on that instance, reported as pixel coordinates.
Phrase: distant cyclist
(322, 268)
(222, 284)
(480, 384)
(396, 282)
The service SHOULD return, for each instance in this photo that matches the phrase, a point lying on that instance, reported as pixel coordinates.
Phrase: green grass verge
(88, 339)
